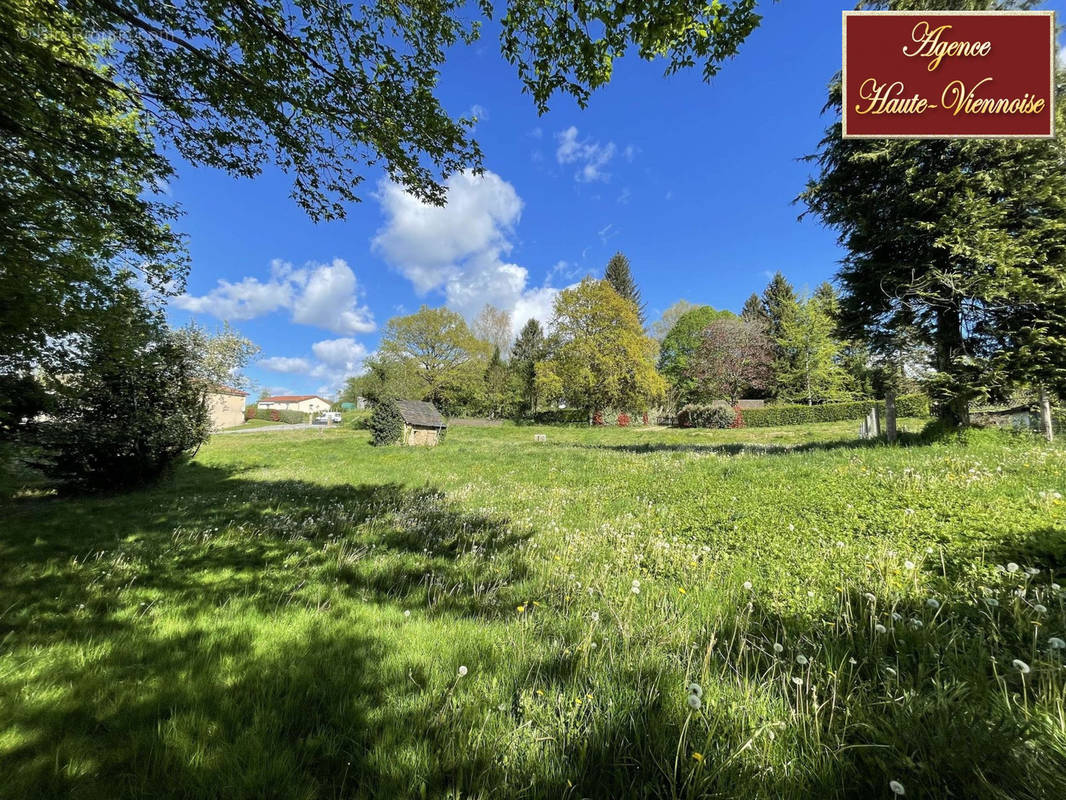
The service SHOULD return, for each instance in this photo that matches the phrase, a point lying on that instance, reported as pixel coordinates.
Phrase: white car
(328, 417)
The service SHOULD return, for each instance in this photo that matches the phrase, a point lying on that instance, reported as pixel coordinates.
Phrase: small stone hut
(422, 423)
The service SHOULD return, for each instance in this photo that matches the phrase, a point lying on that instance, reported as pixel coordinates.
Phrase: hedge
(908, 405)
(278, 415)
(558, 416)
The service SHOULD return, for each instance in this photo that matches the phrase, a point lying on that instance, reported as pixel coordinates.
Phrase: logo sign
(949, 75)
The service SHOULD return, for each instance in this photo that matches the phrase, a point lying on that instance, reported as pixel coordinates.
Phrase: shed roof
(416, 412)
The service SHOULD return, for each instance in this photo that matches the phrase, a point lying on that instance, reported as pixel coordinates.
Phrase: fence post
(1045, 415)
(890, 415)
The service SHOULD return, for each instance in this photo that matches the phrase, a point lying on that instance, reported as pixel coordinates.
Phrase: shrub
(250, 412)
(916, 405)
(597, 418)
(131, 410)
(644, 418)
(281, 415)
(623, 420)
(359, 420)
(386, 424)
(699, 415)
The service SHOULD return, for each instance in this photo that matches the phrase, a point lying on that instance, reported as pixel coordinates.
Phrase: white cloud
(322, 295)
(624, 196)
(589, 156)
(284, 364)
(334, 360)
(459, 249)
(607, 232)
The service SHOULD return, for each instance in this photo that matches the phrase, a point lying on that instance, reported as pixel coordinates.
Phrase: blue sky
(694, 182)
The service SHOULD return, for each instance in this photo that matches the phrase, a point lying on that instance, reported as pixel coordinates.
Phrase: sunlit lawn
(289, 617)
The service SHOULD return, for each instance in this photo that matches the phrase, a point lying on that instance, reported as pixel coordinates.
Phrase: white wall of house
(226, 410)
(311, 405)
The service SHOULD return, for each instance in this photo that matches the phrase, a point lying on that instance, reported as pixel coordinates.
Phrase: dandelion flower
(697, 757)
(1021, 666)
(933, 603)
(747, 585)
(801, 660)
(778, 647)
(520, 609)
(1055, 643)
(462, 671)
(897, 788)
(879, 628)
(694, 688)
(694, 702)
(1012, 567)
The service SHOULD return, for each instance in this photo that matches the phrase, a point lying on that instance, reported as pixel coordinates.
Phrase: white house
(307, 403)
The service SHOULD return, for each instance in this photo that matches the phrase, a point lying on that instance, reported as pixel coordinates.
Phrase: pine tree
(528, 349)
(753, 310)
(777, 299)
(620, 276)
(806, 368)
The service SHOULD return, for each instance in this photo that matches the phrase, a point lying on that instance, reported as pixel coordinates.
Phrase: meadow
(613, 613)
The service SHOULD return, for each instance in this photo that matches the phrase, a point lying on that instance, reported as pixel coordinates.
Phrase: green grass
(255, 422)
(243, 631)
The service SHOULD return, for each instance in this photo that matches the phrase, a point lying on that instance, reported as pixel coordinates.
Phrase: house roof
(220, 389)
(291, 398)
(415, 412)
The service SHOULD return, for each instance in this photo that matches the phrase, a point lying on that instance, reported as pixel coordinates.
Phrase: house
(225, 406)
(307, 403)
(422, 423)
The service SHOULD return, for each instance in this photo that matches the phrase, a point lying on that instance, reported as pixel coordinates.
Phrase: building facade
(307, 403)
(225, 406)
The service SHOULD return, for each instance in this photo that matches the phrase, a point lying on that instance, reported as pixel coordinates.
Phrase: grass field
(300, 615)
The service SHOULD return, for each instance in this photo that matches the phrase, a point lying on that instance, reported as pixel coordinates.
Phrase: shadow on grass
(138, 655)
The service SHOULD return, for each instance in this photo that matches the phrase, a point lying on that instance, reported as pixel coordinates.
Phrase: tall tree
(662, 326)
(220, 356)
(778, 299)
(806, 368)
(498, 396)
(601, 357)
(619, 275)
(734, 355)
(754, 311)
(493, 325)
(962, 242)
(680, 347)
(440, 349)
(529, 349)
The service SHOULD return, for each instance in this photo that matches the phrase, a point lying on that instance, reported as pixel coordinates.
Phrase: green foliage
(700, 415)
(559, 416)
(916, 405)
(386, 424)
(220, 355)
(619, 275)
(662, 326)
(734, 357)
(529, 348)
(806, 368)
(134, 407)
(600, 356)
(288, 416)
(680, 346)
(436, 348)
(957, 246)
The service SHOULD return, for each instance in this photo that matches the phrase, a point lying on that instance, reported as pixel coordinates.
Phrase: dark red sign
(949, 75)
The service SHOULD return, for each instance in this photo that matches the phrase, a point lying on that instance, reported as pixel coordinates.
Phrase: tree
(493, 325)
(733, 356)
(600, 356)
(661, 327)
(961, 242)
(529, 350)
(778, 299)
(806, 368)
(220, 356)
(498, 397)
(383, 379)
(437, 345)
(620, 277)
(680, 346)
(754, 311)
(133, 406)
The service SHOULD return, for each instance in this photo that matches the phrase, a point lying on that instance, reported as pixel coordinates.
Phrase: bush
(250, 412)
(623, 420)
(132, 408)
(281, 415)
(912, 405)
(712, 415)
(386, 424)
(359, 420)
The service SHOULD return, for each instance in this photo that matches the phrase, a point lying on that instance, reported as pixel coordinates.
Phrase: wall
(226, 410)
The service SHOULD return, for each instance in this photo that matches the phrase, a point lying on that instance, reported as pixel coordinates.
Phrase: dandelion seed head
(778, 647)
(462, 671)
(1055, 643)
(933, 603)
(1021, 666)
(694, 702)
(747, 585)
(1012, 567)
(908, 564)
(1040, 608)
(802, 660)
(897, 788)
(879, 628)
(694, 688)
(797, 680)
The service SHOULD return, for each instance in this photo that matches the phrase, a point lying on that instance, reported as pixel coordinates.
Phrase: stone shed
(422, 423)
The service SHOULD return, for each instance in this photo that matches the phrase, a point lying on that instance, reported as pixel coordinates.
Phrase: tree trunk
(890, 415)
(949, 345)
(1046, 423)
